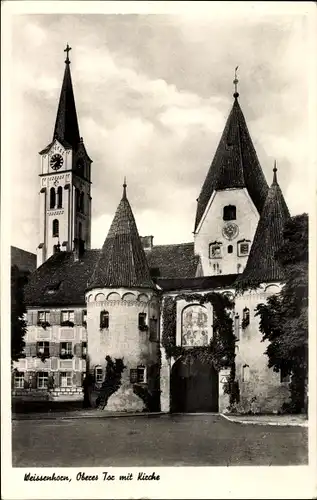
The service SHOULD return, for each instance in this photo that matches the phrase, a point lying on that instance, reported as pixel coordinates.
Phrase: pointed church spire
(235, 164)
(66, 126)
(262, 265)
(122, 261)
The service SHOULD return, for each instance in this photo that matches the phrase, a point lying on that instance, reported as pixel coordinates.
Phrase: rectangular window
(84, 349)
(43, 349)
(285, 377)
(142, 321)
(133, 376)
(84, 317)
(66, 379)
(153, 329)
(243, 248)
(42, 379)
(141, 374)
(66, 350)
(215, 251)
(138, 375)
(43, 317)
(68, 318)
(99, 375)
(19, 380)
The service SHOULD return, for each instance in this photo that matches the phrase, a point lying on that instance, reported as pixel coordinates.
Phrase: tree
(18, 311)
(284, 317)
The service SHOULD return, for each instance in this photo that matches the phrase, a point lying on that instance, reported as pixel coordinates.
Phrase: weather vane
(236, 81)
(68, 48)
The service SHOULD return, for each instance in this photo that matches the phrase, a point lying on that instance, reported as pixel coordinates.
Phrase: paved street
(166, 440)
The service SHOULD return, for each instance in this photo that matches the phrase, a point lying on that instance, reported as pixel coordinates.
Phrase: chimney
(147, 242)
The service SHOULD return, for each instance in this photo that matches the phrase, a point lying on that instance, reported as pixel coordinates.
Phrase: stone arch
(194, 386)
(129, 297)
(100, 297)
(114, 296)
(143, 297)
(194, 326)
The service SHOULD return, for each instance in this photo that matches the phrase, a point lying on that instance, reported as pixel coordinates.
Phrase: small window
(43, 349)
(142, 322)
(52, 198)
(66, 379)
(81, 202)
(229, 212)
(104, 320)
(98, 375)
(215, 251)
(43, 318)
(68, 318)
(243, 248)
(19, 380)
(285, 377)
(59, 197)
(84, 350)
(66, 351)
(236, 327)
(55, 228)
(84, 318)
(245, 373)
(153, 330)
(42, 380)
(230, 249)
(245, 317)
(138, 375)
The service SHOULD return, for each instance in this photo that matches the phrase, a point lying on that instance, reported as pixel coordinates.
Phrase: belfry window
(55, 228)
(59, 197)
(52, 198)
(142, 322)
(229, 212)
(104, 320)
(230, 248)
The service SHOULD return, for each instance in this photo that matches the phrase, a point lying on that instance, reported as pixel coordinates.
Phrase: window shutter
(34, 318)
(56, 376)
(77, 350)
(12, 379)
(78, 380)
(55, 317)
(78, 317)
(32, 346)
(26, 379)
(54, 349)
(29, 318)
(74, 379)
(27, 350)
(33, 380)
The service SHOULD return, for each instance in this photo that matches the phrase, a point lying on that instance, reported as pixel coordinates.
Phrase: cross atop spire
(236, 81)
(67, 50)
(124, 195)
(274, 173)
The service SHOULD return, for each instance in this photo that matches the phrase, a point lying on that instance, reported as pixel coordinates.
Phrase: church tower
(230, 201)
(65, 181)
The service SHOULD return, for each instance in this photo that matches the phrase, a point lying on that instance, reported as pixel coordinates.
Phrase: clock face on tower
(56, 162)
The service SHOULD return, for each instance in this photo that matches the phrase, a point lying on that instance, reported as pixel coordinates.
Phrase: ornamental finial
(124, 196)
(274, 173)
(236, 81)
(68, 48)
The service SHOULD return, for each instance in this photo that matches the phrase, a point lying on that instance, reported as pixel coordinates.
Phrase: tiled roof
(173, 261)
(25, 261)
(235, 165)
(262, 265)
(66, 125)
(61, 280)
(203, 283)
(122, 261)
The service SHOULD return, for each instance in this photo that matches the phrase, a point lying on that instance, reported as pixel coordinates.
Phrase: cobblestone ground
(166, 440)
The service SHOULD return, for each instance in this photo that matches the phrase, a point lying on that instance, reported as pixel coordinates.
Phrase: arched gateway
(194, 386)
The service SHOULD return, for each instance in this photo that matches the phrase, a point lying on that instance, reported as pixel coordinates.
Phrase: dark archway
(194, 386)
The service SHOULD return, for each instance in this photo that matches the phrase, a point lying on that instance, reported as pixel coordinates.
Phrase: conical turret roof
(262, 265)
(122, 261)
(235, 164)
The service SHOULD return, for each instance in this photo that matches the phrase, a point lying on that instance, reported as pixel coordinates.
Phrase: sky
(153, 93)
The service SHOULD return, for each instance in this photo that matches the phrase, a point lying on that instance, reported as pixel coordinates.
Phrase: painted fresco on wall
(194, 326)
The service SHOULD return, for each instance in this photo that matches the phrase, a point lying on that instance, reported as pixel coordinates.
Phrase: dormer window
(244, 248)
(215, 250)
(229, 212)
